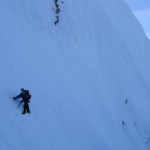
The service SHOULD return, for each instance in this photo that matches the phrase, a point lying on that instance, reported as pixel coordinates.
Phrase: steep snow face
(88, 76)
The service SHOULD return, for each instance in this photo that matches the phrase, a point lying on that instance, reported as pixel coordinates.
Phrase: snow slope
(80, 74)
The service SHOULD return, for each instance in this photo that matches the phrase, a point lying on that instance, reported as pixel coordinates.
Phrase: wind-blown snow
(80, 74)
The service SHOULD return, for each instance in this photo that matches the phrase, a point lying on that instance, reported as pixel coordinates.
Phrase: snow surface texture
(88, 76)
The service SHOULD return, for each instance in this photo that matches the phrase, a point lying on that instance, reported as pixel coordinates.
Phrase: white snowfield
(89, 76)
